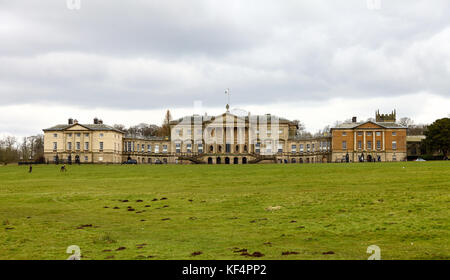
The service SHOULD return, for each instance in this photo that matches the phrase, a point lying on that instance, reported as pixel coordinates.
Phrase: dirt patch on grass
(84, 226)
(328, 253)
(121, 248)
(289, 253)
(196, 253)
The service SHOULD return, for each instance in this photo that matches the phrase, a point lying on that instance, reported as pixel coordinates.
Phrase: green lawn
(404, 208)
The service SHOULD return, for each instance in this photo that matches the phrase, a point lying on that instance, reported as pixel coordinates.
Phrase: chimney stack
(70, 121)
(100, 121)
(95, 120)
(75, 121)
(354, 119)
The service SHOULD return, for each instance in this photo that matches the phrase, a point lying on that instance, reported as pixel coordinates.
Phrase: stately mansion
(228, 139)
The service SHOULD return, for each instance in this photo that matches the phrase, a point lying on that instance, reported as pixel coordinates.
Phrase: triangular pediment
(369, 124)
(77, 127)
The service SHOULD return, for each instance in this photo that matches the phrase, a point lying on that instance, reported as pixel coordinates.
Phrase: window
(257, 148)
(359, 145)
(313, 147)
(55, 146)
(156, 148)
(394, 145)
(344, 133)
(129, 147)
(294, 148)
(177, 147)
(189, 147)
(307, 147)
(86, 135)
(78, 146)
(200, 147)
(86, 158)
(164, 148)
(378, 133)
(101, 146)
(138, 147)
(100, 158)
(280, 147)
(78, 134)
(69, 146)
(394, 157)
(359, 133)
(378, 144)
(69, 134)
(344, 145)
(301, 148)
(55, 135)
(369, 145)
(143, 148)
(369, 133)
(268, 147)
(149, 148)
(394, 133)
(101, 134)
(86, 146)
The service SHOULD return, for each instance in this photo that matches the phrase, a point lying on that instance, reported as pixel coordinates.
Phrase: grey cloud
(153, 54)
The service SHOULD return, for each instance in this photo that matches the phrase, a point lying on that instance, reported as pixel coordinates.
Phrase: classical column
(354, 140)
(364, 140)
(373, 141)
(383, 142)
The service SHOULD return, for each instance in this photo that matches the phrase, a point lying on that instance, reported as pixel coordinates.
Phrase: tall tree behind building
(165, 129)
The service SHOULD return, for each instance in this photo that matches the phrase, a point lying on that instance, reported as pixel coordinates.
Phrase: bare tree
(406, 122)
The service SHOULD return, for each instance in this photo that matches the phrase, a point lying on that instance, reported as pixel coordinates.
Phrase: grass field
(217, 210)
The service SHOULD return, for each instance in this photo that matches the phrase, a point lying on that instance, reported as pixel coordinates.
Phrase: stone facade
(226, 139)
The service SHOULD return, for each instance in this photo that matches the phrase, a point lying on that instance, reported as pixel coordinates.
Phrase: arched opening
(235, 160)
(369, 158)
(211, 148)
(219, 148)
(300, 160)
(69, 159)
(245, 148)
(210, 160)
(218, 160)
(143, 160)
(244, 160)
(227, 160)
(149, 160)
(307, 160)
(236, 149)
(77, 159)
(293, 160)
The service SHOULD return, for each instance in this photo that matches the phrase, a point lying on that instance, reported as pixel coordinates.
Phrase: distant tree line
(29, 149)
(148, 130)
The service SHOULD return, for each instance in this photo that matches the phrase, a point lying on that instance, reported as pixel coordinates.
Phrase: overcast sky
(129, 61)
